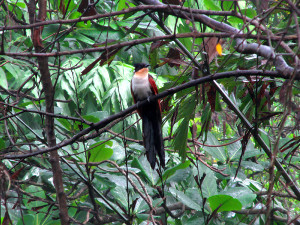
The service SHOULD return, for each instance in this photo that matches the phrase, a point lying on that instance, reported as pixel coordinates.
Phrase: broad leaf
(223, 203)
(100, 151)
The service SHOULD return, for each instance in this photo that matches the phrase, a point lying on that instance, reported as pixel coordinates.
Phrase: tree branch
(49, 99)
(130, 109)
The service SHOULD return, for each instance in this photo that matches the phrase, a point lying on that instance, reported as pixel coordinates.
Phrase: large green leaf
(186, 111)
(211, 5)
(136, 163)
(171, 171)
(244, 195)
(224, 203)
(185, 199)
(218, 152)
(3, 80)
(100, 151)
(209, 185)
(180, 141)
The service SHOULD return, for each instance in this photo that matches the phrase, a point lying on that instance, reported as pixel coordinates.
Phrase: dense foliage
(69, 152)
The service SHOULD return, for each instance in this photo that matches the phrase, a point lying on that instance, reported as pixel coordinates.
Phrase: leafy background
(216, 172)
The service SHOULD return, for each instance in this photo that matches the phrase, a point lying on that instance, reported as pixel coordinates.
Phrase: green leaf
(2, 144)
(3, 80)
(251, 13)
(96, 116)
(224, 203)
(186, 112)
(27, 219)
(265, 136)
(184, 199)
(252, 166)
(209, 185)
(99, 151)
(205, 119)
(65, 123)
(38, 192)
(136, 164)
(169, 172)
(180, 140)
(134, 26)
(228, 5)
(210, 5)
(243, 194)
(120, 195)
(234, 150)
(84, 38)
(217, 152)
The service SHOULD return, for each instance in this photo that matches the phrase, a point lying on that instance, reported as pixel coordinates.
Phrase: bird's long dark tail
(152, 134)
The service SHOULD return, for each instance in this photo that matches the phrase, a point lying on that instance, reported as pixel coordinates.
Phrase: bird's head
(139, 66)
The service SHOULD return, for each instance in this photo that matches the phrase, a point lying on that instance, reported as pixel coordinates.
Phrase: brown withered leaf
(174, 53)
(294, 142)
(195, 73)
(267, 115)
(16, 174)
(165, 104)
(210, 47)
(106, 57)
(174, 62)
(36, 37)
(211, 95)
(90, 67)
(244, 143)
(193, 130)
(62, 7)
(273, 88)
(262, 92)
(283, 91)
(85, 9)
(157, 44)
(250, 88)
(38, 208)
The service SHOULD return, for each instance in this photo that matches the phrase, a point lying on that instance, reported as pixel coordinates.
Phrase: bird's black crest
(139, 66)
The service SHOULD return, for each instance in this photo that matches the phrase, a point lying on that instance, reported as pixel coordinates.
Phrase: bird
(142, 87)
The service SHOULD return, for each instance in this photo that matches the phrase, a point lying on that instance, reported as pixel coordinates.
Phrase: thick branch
(242, 46)
(279, 61)
(130, 109)
(49, 99)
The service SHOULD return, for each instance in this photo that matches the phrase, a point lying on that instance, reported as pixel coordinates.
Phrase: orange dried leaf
(219, 49)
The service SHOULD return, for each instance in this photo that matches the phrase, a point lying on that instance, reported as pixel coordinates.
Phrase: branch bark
(49, 99)
(130, 109)
(265, 51)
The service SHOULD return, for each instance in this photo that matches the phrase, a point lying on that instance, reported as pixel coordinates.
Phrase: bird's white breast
(141, 87)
